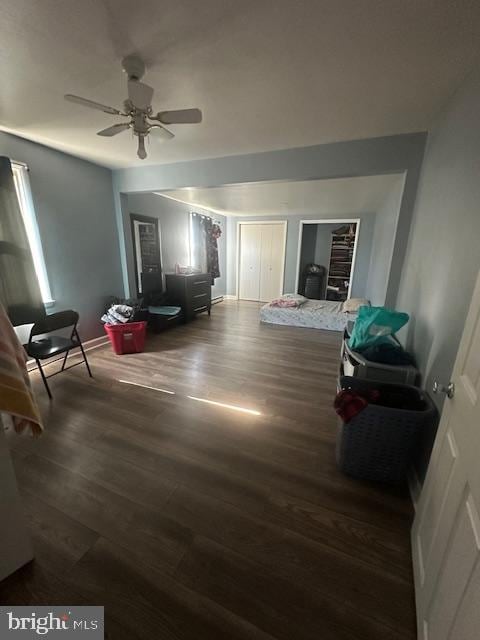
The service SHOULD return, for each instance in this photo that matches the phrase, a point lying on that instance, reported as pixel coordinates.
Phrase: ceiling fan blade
(160, 133)
(140, 94)
(91, 104)
(114, 129)
(180, 116)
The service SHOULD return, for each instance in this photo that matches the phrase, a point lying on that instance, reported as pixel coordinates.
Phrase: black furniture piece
(146, 253)
(25, 314)
(152, 284)
(48, 347)
(192, 292)
(312, 283)
(164, 317)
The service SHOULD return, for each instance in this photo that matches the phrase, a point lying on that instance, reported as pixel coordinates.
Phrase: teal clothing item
(375, 325)
(164, 311)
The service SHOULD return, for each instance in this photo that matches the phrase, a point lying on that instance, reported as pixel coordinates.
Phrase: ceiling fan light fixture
(141, 151)
(160, 133)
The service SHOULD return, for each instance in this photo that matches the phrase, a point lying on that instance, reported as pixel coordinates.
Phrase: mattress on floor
(317, 314)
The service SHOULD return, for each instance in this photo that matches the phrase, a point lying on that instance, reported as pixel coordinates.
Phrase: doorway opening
(327, 251)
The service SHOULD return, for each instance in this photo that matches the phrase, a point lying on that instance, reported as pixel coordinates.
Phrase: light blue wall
(443, 256)
(383, 243)
(374, 156)
(291, 257)
(174, 220)
(74, 206)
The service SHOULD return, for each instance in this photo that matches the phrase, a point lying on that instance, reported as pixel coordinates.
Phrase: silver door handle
(448, 390)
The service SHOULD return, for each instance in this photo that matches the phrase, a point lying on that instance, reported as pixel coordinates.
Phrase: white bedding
(318, 314)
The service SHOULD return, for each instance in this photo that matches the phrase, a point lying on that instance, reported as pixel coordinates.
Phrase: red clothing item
(348, 403)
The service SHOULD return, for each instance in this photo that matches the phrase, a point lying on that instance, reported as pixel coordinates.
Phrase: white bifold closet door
(250, 255)
(261, 261)
(271, 261)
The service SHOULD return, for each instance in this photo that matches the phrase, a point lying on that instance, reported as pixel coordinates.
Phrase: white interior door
(271, 264)
(446, 530)
(250, 260)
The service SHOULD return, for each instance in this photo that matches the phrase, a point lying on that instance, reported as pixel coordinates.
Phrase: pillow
(352, 305)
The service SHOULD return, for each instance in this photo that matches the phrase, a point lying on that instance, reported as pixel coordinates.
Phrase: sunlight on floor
(227, 406)
(223, 405)
(145, 386)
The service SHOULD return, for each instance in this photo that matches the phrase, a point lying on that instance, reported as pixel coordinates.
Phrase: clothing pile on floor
(118, 314)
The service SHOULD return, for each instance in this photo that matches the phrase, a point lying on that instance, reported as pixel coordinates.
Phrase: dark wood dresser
(191, 292)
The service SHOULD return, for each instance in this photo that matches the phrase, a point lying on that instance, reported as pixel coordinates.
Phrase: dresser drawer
(200, 301)
(197, 290)
(195, 282)
(192, 292)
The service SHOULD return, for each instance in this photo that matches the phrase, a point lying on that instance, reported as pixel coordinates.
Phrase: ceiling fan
(138, 109)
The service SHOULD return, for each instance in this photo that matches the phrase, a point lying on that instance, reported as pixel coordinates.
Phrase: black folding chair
(49, 347)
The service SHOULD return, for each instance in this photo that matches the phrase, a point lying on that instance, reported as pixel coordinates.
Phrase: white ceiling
(268, 74)
(325, 198)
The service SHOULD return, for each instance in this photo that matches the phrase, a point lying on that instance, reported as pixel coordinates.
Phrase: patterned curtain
(19, 289)
(213, 233)
(205, 234)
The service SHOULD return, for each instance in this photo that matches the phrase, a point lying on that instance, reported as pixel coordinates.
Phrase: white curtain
(19, 289)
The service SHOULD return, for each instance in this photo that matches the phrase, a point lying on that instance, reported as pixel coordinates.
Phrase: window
(24, 194)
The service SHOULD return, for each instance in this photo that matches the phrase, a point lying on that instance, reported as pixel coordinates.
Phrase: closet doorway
(261, 260)
(327, 251)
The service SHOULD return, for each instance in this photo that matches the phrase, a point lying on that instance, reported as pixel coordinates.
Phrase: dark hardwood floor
(191, 520)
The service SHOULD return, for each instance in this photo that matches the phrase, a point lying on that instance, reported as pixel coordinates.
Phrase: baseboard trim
(217, 299)
(230, 297)
(89, 345)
